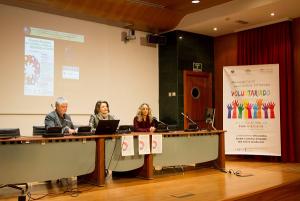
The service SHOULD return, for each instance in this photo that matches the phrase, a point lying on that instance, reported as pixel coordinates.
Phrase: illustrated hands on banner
(259, 103)
(240, 108)
(235, 104)
(245, 103)
(265, 109)
(229, 107)
(255, 108)
(249, 108)
(271, 107)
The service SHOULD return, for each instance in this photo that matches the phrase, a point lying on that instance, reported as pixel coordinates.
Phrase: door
(197, 92)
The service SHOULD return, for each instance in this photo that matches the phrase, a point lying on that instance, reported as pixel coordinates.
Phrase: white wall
(123, 74)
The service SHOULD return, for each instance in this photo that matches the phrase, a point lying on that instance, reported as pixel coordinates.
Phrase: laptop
(83, 130)
(54, 132)
(107, 127)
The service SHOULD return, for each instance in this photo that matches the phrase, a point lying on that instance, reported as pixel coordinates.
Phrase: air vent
(146, 3)
(242, 22)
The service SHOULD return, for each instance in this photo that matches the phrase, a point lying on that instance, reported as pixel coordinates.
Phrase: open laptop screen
(107, 126)
(53, 132)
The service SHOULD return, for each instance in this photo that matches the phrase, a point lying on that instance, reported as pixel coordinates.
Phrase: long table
(179, 148)
(28, 159)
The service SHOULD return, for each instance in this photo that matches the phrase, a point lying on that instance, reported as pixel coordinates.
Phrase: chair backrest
(38, 130)
(9, 132)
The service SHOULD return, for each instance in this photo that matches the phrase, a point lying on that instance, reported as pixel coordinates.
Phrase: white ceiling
(224, 16)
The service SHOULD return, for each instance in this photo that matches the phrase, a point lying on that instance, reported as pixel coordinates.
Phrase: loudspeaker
(156, 39)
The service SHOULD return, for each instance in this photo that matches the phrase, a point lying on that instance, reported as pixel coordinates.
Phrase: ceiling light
(272, 14)
(215, 29)
(180, 37)
(195, 1)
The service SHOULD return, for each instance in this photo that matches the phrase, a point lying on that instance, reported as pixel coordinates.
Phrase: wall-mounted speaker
(156, 39)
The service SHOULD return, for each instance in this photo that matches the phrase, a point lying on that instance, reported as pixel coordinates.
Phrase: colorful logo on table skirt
(124, 146)
(154, 144)
(142, 145)
(246, 110)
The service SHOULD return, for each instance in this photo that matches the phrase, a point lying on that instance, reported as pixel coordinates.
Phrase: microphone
(188, 118)
(67, 120)
(155, 119)
(161, 126)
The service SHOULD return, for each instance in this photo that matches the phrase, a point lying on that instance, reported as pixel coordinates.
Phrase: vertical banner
(251, 110)
(156, 144)
(144, 144)
(127, 146)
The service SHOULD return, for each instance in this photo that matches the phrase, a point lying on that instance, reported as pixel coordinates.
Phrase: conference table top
(95, 136)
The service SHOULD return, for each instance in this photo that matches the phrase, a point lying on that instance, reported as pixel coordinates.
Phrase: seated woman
(101, 112)
(143, 121)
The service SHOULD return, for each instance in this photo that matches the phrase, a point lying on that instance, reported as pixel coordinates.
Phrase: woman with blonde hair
(144, 121)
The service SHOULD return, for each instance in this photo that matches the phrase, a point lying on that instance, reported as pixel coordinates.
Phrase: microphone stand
(186, 116)
(155, 119)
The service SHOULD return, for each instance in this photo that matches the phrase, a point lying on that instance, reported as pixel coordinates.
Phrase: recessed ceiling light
(215, 29)
(180, 37)
(195, 1)
(272, 14)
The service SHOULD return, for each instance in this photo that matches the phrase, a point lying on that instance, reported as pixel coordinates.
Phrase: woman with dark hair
(143, 121)
(101, 112)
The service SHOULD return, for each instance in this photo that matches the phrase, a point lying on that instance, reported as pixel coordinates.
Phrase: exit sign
(197, 66)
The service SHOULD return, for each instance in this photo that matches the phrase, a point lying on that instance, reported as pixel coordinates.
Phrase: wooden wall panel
(154, 16)
(225, 54)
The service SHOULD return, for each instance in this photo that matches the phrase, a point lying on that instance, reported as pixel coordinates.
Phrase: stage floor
(269, 181)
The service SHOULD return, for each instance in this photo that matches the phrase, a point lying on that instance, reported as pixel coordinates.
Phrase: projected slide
(38, 67)
(70, 72)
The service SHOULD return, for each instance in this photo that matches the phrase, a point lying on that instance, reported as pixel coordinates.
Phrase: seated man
(59, 118)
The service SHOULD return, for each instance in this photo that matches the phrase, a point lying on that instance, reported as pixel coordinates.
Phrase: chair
(9, 133)
(16, 186)
(38, 130)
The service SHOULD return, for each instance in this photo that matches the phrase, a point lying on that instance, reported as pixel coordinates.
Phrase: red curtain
(270, 45)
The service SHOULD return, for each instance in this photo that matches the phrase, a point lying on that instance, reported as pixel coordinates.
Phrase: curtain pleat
(270, 45)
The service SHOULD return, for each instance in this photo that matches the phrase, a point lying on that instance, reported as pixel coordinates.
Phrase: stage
(269, 181)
